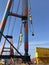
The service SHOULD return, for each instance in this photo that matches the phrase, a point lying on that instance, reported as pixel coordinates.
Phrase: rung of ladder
(6, 48)
(6, 51)
(9, 36)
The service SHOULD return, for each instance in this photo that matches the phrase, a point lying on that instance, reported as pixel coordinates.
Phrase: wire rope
(14, 25)
(31, 26)
(15, 18)
(19, 44)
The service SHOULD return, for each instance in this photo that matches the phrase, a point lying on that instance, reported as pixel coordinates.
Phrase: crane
(24, 18)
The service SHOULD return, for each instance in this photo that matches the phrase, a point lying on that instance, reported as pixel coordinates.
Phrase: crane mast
(25, 13)
(24, 18)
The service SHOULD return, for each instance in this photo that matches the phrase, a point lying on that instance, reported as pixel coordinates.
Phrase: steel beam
(25, 13)
(17, 15)
(4, 19)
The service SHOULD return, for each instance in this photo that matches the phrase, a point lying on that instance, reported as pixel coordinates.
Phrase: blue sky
(40, 16)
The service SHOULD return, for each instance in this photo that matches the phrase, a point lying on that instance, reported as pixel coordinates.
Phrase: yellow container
(42, 55)
(42, 60)
(42, 52)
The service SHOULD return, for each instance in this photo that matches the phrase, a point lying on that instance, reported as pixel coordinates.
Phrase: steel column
(25, 13)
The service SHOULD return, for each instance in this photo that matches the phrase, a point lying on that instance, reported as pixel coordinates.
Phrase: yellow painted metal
(21, 37)
(42, 52)
(42, 60)
(42, 55)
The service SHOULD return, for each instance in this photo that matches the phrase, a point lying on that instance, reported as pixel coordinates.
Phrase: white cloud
(39, 43)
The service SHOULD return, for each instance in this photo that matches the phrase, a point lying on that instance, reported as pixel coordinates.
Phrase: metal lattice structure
(24, 18)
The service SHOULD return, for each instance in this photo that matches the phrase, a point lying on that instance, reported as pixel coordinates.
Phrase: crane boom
(5, 16)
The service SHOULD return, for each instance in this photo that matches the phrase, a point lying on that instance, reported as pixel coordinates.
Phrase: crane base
(24, 58)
